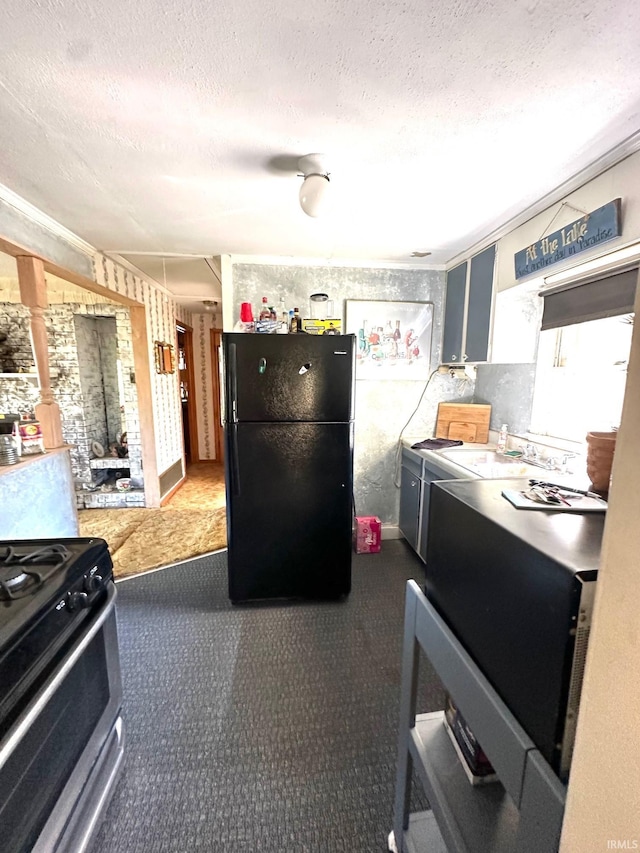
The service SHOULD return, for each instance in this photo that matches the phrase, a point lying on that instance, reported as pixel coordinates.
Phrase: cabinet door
(476, 346)
(409, 506)
(428, 478)
(454, 314)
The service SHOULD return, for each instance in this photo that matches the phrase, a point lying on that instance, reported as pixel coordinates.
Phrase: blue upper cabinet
(467, 316)
(454, 313)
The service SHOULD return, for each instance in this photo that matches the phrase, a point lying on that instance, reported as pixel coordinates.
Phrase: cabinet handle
(454, 357)
(414, 483)
(465, 357)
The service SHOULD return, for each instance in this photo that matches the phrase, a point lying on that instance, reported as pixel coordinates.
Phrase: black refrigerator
(288, 417)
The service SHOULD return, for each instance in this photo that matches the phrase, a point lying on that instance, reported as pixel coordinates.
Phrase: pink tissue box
(367, 534)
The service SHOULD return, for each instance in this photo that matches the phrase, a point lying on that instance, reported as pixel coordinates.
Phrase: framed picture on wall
(393, 338)
(164, 357)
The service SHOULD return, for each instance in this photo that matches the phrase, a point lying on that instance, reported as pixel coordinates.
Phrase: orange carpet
(193, 522)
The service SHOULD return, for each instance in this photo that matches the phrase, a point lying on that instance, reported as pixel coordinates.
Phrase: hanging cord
(557, 214)
(396, 472)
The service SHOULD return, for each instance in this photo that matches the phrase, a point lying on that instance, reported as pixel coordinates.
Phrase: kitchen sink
(489, 464)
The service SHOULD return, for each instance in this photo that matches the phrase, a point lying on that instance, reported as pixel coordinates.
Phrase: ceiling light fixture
(210, 306)
(314, 192)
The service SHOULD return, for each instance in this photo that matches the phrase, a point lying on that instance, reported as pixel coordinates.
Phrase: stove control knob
(92, 583)
(77, 600)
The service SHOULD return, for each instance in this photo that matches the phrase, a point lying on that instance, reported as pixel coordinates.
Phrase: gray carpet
(261, 728)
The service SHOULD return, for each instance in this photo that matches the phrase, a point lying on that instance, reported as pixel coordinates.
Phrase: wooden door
(187, 388)
(216, 377)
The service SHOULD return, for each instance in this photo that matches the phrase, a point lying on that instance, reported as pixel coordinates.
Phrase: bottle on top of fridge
(502, 438)
(267, 322)
(265, 311)
(296, 322)
(283, 318)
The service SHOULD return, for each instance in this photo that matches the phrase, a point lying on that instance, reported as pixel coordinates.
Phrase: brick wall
(15, 324)
(16, 394)
(84, 340)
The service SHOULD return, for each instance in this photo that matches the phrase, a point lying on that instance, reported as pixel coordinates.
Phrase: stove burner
(18, 575)
(13, 577)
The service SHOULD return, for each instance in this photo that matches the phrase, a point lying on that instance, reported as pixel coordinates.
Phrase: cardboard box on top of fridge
(367, 534)
(322, 327)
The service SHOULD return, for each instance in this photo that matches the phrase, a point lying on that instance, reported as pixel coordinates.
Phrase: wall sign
(592, 229)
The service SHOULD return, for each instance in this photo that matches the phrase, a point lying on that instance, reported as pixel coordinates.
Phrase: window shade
(576, 303)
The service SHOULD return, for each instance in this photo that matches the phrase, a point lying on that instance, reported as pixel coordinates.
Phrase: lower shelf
(422, 835)
(485, 818)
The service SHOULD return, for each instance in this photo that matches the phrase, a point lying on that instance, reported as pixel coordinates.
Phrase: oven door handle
(26, 720)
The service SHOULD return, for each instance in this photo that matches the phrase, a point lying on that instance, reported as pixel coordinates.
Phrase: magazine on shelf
(476, 765)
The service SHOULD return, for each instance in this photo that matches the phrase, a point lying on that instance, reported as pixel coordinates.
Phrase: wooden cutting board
(464, 421)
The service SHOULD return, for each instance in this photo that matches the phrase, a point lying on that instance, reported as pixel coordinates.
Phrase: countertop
(32, 458)
(477, 462)
(38, 497)
(572, 539)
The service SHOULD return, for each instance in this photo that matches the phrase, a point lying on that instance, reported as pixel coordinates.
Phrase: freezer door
(289, 377)
(289, 499)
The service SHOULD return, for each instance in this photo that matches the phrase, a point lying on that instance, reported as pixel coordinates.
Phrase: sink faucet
(532, 456)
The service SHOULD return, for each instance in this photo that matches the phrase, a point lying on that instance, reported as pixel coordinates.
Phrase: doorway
(187, 393)
(218, 383)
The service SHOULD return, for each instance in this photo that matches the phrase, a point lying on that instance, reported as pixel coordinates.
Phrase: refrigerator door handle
(222, 391)
(234, 461)
(233, 384)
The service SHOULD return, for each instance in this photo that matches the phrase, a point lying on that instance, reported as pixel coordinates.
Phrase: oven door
(60, 761)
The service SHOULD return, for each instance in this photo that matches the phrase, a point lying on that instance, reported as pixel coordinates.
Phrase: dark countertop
(572, 539)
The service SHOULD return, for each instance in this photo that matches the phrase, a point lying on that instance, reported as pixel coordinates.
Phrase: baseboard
(391, 531)
(165, 498)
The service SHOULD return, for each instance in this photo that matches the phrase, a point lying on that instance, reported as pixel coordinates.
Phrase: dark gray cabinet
(410, 489)
(429, 475)
(416, 476)
(467, 315)
(454, 313)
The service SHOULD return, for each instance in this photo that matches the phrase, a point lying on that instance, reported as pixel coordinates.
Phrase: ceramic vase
(600, 448)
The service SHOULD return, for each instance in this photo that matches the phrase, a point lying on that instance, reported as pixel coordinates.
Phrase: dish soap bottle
(502, 438)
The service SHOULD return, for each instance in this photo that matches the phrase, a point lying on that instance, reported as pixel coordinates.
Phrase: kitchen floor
(266, 728)
(191, 523)
(202, 489)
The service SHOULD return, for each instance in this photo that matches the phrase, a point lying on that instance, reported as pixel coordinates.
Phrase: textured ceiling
(176, 126)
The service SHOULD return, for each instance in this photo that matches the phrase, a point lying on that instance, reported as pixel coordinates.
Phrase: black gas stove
(61, 736)
(47, 589)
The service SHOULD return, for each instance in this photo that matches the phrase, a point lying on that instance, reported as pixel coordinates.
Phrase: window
(580, 377)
